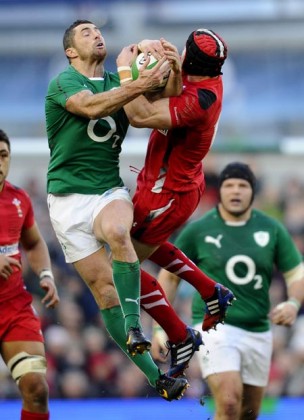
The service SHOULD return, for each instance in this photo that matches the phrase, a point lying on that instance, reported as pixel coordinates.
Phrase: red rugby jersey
(16, 213)
(174, 157)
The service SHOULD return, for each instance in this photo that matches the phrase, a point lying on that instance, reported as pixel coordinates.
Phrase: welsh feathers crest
(261, 238)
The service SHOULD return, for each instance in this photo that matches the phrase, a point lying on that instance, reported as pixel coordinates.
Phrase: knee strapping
(23, 363)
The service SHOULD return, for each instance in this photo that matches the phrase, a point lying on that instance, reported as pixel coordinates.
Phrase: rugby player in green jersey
(240, 246)
(88, 202)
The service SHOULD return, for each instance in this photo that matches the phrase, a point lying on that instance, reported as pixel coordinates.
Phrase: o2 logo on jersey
(110, 123)
(250, 275)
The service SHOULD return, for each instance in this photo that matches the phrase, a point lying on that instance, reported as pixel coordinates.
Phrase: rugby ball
(138, 63)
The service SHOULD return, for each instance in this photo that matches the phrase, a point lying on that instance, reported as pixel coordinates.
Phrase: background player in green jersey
(239, 246)
(89, 205)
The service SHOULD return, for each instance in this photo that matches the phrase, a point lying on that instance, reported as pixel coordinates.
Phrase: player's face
(235, 197)
(5, 158)
(88, 43)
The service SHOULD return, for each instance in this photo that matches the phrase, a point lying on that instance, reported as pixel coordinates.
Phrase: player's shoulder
(16, 191)
(260, 217)
(67, 74)
(205, 220)
(204, 93)
(211, 214)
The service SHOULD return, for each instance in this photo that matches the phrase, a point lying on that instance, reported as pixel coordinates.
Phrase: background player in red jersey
(21, 341)
(171, 183)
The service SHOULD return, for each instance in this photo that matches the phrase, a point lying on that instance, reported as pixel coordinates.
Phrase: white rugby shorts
(72, 217)
(229, 348)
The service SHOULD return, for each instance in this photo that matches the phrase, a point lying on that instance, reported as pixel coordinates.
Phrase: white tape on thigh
(24, 363)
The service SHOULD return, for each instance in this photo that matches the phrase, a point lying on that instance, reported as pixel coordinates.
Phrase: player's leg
(27, 364)
(226, 389)
(216, 296)
(112, 225)
(97, 273)
(252, 401)
(154, 301)
(157, 216)
(74, 231)
(22, 349)
(167, 387)
(183, 341)
(257, 351)
(221, 364)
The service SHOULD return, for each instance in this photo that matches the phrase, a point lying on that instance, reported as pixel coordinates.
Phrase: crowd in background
(83, 362)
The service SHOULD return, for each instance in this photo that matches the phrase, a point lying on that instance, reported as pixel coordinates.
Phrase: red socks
(26, 415)
(175, 261)
(153, 300)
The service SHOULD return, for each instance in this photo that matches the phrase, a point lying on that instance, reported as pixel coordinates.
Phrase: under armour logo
(216, 241)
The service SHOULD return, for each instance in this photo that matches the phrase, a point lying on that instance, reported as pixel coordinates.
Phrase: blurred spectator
(131, 382)
(75, 384)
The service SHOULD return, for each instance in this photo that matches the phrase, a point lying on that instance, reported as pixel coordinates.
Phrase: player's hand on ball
(146, 66)
(152, 46)
(127, 56)
(172, 55)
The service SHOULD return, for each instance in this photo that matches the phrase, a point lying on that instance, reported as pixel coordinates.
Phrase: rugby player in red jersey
(21, 340)
(171, 183)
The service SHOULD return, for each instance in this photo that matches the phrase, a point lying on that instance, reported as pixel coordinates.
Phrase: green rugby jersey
(242, 258)
(84, 154)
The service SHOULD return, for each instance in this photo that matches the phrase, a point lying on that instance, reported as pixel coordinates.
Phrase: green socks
(114, 322)
(126, 277)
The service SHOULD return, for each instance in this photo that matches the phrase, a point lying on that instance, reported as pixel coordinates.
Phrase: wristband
(123, 68)
(126, 79)
(46, 272)
(293, 301)
(125, 73)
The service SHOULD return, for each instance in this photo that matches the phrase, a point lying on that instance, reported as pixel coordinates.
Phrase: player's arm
(286, 312)
(146, 113)
(99, 105)
(164, 48)
(169, 283)
(174, 86)
(152, 110)
(39, 260)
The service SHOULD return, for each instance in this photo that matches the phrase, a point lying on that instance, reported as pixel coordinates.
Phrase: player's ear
(71, 52)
